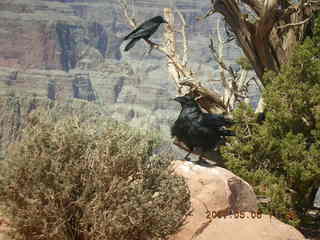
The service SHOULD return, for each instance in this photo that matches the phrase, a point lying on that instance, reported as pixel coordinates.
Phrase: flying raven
(197, 129)
(145, 30)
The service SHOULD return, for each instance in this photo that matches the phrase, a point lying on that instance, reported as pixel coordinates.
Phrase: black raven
(197, 129)
(145, 30)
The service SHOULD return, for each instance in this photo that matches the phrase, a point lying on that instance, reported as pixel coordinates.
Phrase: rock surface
(264, 228)
(224, 207)
(214, 192)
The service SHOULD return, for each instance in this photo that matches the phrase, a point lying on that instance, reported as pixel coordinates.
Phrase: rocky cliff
(45, 35)
(72, 49)
(57, 34)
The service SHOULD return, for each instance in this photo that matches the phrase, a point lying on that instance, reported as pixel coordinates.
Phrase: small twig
(230, 70)
(124, 6)
(258, 83)
(209, 13)
(216, 57)
(294, 24)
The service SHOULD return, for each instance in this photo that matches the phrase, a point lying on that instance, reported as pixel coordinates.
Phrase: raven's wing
(226, 132)
(146, 29)
(179, 128)
(131, 44)
(214, 120)
(174, 130)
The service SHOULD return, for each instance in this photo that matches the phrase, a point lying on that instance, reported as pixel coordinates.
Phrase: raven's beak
(165, 21)
(178, 99)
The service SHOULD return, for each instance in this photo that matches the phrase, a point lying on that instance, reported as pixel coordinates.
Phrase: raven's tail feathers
(131, 44)
(229, 122)
(225, 132)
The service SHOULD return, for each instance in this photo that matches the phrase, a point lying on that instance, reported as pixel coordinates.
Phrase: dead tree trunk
(268, 30)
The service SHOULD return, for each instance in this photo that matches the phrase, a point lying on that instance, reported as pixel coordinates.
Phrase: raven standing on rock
(145, 30)
(197, 129)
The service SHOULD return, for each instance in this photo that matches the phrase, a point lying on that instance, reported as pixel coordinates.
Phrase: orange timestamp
(236, 214)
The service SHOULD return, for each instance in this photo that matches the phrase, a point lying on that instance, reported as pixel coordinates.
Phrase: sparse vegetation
(69, 178)
(15, 108)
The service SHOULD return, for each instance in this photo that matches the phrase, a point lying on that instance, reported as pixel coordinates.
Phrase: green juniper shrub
(281, 156)
(244, 63)
(72, 179)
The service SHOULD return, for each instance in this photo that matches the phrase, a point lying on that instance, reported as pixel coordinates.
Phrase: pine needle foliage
(281, 156)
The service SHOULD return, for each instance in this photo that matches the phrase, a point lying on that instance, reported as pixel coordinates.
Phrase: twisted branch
(177, 68)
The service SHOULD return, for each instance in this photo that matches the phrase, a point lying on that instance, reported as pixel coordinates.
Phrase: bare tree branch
(125, 10)
(294, 24)
(235, 85)
(184, 38)
(211, 100)
(177, 68)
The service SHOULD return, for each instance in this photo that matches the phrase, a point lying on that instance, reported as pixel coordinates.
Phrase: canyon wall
(72, 49)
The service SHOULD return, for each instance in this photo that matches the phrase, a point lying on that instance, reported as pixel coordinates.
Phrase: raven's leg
(187, 157)
(152, 45)
(200, 159)
(189, 152)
